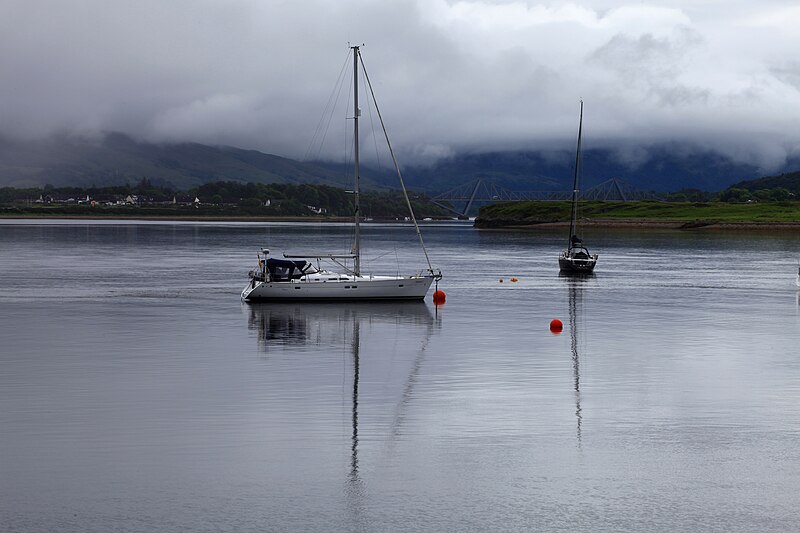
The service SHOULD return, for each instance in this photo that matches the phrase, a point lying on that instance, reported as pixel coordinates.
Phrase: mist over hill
(789, 181)
(663, 168)
(118, 159)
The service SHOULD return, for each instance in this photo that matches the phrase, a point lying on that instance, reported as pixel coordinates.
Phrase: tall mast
(573, 220)
(356, 113)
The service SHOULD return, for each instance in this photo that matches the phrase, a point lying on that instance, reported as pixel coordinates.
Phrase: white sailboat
(305, 278)
(576, 259)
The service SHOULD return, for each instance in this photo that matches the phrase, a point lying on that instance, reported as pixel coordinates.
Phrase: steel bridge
(479, 191)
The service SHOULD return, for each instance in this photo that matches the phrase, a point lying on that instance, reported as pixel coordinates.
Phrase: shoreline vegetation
(219, 200)
(187, 215)
(735, 208)
(643, 214)
(501, 216)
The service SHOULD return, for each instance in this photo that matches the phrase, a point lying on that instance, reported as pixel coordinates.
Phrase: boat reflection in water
(576, 285)
(376, 336)
(327, 323)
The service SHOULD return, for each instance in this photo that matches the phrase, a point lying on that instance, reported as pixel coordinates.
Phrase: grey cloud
(788, 74)
(653, 65)
(450, 75)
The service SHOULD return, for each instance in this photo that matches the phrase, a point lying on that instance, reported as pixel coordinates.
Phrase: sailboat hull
(359, 288)
(576, 265)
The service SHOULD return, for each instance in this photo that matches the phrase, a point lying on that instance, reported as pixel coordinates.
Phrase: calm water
(137, 393)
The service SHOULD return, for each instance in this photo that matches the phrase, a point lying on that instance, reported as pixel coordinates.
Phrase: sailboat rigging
(576, 259)
(302, 277)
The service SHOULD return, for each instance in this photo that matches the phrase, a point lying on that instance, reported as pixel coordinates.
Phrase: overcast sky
(449, 75)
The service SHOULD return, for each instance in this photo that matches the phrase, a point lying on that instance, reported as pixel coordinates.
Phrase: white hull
(317, 287)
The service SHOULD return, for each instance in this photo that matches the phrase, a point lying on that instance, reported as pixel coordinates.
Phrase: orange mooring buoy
(556, 326)
(514, 280)
(439, 297)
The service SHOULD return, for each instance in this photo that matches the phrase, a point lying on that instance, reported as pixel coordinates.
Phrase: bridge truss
(460, 200)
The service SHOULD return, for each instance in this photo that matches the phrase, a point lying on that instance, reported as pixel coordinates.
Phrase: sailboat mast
(573, 219)
(356, 113)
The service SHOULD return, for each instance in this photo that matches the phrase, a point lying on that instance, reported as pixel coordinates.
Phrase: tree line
(236, 198)
(733, 195)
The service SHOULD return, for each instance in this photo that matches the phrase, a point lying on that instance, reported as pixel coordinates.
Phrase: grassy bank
(679, 214)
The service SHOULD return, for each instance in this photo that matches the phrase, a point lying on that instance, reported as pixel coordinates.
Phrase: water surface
(137, 393)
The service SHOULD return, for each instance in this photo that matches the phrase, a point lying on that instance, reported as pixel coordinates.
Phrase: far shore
(704, 216)
(201, 218)
(651, 224)
(175, 219)
(645, 224)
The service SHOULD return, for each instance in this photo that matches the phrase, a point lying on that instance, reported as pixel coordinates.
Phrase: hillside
(120, 160)
(665, 168)
(789, 181)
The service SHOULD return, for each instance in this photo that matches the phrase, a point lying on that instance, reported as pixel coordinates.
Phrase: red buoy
(439, 297)
(556, 326)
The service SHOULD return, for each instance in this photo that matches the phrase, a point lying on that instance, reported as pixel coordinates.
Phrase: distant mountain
(789, 181)
(664, 169)
(117, 159)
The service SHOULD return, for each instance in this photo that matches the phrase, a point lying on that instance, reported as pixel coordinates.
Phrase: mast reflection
(576, 285)
(356, 345)
(327, 325)
(576, 362)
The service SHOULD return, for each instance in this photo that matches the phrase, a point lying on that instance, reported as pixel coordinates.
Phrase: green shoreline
(647, 224)
(682, 216)
(508, 215)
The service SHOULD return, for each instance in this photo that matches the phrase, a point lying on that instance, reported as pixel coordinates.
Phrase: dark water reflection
(325, 325)
(575, 296)
(137, 393)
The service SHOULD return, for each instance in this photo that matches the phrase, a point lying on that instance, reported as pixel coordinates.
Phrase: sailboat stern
(577, 262)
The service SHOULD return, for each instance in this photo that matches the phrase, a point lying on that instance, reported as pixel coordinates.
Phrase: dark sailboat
(576, 259)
